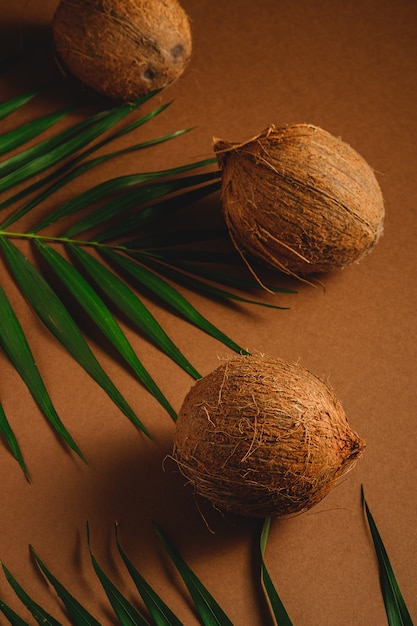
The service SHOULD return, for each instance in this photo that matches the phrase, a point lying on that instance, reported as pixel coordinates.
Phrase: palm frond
(94, 306)
(132, 307)
(57, 319)
(396, 609)
(158, 609)
(171, 296)
(186, 276)
(90, 264)
(14, 344)
(44, 155)
(209, 611)
(21, 135)
(76, 167)
(157, 212)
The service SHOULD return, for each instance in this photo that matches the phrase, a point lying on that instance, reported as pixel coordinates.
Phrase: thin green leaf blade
(62, 145)
(128, 302)
(72, 175)
(107, 187)
(209, 610)
(11, 105)
(13, 618)
(153, 213)
(21, 135)
(35, 159)
(57, 319)
(77, 166)
(160, 612)
(277, 608)
(135, 197)
(16, 347)
(170, 296)
(41, 616)
(11, 440)
(124, 610)
(396, 609)
(94, 306)
(78, 614)
(195, 283)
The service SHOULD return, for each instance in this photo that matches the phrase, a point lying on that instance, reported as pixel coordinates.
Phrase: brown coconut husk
(122, 49)
(299, 199)
(259, 436)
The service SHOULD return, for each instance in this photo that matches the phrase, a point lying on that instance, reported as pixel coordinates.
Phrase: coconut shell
(259, 436)
(299, 199)
(122, 49)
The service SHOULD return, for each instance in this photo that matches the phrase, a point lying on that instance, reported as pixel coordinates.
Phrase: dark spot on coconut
(148, 74)
(177, 51)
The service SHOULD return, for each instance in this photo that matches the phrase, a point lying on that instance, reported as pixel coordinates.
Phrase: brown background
(350, 67)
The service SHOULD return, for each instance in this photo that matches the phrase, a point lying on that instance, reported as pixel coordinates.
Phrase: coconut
(261, 437)
(122, 49)
(299, 199)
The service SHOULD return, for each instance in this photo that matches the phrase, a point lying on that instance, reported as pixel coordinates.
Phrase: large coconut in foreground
(259, 436)
(299, 199)
(122, 49)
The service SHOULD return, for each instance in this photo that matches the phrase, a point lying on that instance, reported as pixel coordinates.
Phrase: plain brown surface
(351, 68)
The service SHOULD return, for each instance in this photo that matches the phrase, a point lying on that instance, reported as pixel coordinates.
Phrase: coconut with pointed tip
(299, 199)
(259, 436)
(122, 49)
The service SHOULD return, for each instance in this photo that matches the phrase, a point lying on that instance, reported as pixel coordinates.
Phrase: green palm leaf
(105, 189)
(13, 618)
(135, 197)
(42, 155)
(46, 154)
(211, 614)
(158, 609)
(10, 106)
(169, 295)
(19, 136)
(57, 319)
(70, 170)
(41, 616)
(208, 609)
(78, 614)
(396, 609)
(277, 608)
(101, 285)
(125, 611)
(14, 344)
(94, 306)
(155, 213)
(10, 437)
(131, 306)
(196, 284)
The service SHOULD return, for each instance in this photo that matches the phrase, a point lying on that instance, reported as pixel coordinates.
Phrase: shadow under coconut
(139, 489)
(28, 61)
(26, 56)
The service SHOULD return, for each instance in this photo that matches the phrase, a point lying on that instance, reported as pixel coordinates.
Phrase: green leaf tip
(395, 607)
(277, 609)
